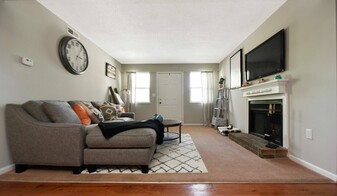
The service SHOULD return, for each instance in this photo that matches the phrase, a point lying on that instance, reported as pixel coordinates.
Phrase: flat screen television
(266, 59)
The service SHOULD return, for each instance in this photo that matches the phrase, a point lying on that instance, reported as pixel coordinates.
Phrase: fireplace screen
(265, 120)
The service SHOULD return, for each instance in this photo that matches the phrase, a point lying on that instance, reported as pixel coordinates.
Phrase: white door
(170, 96)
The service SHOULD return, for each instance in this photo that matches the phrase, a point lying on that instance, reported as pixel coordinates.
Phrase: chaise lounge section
(132, 147)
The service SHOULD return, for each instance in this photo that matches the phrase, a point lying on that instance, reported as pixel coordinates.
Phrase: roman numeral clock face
(73, 55)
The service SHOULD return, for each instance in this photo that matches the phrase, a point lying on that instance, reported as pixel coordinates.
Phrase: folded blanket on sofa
(110, 129)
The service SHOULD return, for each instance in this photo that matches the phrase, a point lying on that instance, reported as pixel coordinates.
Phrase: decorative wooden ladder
(220, 111)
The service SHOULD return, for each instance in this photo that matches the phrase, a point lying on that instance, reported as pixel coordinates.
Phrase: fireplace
(262, 98)
(265, 120)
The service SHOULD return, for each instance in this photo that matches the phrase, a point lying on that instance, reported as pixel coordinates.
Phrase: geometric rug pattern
(171, 157)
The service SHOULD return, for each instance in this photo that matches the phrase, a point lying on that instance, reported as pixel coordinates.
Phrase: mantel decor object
(221, 82)
(278, 77)
(262, 80)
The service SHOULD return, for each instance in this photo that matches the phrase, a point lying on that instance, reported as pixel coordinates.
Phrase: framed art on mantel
(235, 69)
(110, 71)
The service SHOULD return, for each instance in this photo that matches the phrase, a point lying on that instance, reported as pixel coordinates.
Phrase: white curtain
(130, 86)
(207, 80)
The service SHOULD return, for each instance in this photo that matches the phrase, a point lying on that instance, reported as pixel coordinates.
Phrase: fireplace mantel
(277, 86)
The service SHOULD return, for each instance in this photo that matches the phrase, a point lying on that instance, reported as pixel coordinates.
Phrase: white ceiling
(165, 31)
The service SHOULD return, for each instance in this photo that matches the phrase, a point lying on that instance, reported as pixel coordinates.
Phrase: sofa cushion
(60, 112)
(35, 109)
(94, 114)
(81, 113)
(134, 138)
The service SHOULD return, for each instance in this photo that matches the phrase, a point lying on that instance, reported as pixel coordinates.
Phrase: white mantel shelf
(276, 86)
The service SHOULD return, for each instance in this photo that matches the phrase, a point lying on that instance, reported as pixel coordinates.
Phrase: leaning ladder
(220, 111)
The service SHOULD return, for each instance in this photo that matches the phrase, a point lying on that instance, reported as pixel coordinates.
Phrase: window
(201, 87)
(195, 87)
(141, 87)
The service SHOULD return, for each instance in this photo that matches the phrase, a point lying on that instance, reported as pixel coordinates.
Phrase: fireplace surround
(273, 95)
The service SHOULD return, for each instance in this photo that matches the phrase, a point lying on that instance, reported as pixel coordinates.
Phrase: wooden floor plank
(32, 188)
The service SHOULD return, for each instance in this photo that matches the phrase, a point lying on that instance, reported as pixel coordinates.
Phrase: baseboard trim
(314, 168)
(6, 169)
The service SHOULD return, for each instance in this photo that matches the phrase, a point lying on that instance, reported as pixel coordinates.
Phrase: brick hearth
(257, 145)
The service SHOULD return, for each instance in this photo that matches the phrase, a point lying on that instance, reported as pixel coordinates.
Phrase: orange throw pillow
(82, 114)
(122, 109)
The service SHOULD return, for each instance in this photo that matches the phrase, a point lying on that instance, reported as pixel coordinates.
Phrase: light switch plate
(308, 133)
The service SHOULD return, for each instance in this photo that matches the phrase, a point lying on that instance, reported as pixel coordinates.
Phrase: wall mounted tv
(266, 59)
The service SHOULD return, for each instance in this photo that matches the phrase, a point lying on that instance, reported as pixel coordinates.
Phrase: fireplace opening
(265, 120)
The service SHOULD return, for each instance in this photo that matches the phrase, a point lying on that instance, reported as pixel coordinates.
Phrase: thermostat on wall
(72, 32)
(27, 61)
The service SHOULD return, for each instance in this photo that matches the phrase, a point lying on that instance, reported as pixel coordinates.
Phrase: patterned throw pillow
(109, 112)
(94, 114)
(120, 109)
(81, 113)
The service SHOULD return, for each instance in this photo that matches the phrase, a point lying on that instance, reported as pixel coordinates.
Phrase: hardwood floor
(32, 188)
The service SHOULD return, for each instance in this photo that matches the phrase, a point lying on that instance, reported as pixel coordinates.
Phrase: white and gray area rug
(171, 157)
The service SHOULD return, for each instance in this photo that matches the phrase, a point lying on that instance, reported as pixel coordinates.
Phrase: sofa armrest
(128, 114)
(40, 143)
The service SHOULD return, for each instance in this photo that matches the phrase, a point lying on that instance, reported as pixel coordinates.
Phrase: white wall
(311, 67)
(192, 111)
(28, 29)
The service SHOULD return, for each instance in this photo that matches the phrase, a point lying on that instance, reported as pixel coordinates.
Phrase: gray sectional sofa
(50, 133)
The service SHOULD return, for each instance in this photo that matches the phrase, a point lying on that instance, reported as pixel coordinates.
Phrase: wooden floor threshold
(32, 188)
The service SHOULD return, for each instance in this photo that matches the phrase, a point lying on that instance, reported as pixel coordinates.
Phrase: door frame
(182, 98)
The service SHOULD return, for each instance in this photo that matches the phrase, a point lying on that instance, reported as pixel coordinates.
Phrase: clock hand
(77, 56)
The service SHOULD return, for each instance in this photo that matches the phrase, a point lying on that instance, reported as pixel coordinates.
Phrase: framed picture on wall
(235, 70)
(110, 71)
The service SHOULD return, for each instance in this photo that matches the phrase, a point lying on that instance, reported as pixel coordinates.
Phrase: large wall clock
(73, 55)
